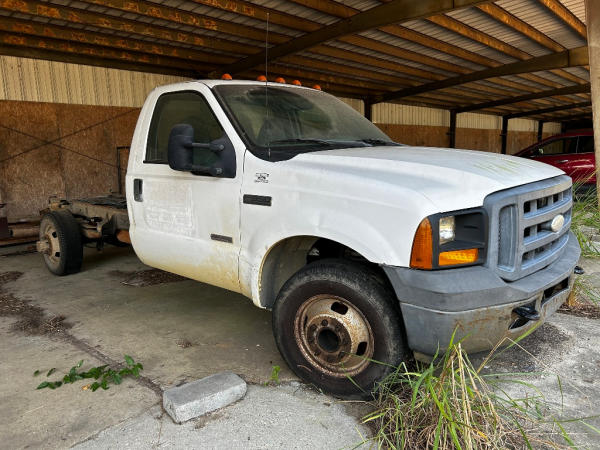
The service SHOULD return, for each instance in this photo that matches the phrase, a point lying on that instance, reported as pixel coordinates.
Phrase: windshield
(285, 121)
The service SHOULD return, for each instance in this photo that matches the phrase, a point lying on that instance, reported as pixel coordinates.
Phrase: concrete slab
(199, 397)
(180, 331)
(288, 416)
(59, 418)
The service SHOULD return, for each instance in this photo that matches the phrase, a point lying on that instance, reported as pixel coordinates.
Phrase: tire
(60, 231)
(332, 320)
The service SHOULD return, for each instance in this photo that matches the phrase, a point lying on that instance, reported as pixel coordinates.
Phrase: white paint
(369, 199)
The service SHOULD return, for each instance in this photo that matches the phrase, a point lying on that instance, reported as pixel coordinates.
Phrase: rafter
(569, 58)
(535, 112)
(563, 13)
(385, 14)
(578, 88)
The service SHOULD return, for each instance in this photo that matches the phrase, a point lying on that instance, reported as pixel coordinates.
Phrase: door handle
(137, 189)
(562, 161)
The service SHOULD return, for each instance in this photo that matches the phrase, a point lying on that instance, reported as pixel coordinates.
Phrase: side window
(182, 107)
(558, 147)
(586, 144)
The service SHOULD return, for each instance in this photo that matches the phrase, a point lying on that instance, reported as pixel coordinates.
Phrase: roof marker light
(226, 76)
(296, 83)
(317, 87)
(261, 78)
(279, 80)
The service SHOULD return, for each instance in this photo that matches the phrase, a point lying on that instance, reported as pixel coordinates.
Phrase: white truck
(364, 249)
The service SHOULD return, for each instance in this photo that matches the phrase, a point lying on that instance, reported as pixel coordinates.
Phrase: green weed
(104, 375)
(274, 380)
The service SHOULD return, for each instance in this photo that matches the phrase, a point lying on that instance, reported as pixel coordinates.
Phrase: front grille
(521, 240)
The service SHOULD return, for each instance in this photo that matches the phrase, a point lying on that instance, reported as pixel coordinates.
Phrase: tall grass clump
(450, 404)
(585, 219)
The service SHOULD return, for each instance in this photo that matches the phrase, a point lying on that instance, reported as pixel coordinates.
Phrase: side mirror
(180, 151)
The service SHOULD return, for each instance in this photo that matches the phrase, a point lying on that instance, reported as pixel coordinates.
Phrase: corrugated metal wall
(55, 82)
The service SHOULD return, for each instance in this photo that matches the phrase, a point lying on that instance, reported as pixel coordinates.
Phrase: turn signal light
(422, 249)
(226, 76)
(455, 257)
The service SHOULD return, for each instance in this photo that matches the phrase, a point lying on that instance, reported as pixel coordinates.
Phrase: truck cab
(366, 250)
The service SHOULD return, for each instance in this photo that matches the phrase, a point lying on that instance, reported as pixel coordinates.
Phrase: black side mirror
(180, 151)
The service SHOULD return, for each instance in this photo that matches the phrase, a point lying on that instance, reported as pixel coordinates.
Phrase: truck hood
(451, 179)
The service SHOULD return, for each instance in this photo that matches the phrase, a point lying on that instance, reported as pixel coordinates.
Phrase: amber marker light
(296, 83)
(317, 87)
(422, 249)
(226, 76)
(279, 80)
(458, 257)
(261, 78)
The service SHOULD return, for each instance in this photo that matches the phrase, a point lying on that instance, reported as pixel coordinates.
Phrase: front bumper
(477, 303)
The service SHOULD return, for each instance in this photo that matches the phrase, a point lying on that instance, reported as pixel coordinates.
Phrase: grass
(450, 404)
(585, 218)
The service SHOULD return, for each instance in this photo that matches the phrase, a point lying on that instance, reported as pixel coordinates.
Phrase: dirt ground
(182, 330)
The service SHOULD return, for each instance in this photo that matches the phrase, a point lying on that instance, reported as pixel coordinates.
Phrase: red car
(571, 152)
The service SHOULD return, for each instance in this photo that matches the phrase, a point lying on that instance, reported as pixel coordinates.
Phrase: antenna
(267, 88)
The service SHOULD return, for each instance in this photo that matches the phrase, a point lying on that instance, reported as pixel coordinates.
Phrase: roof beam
(569, 90)
(503, 16)
(564, 14)
(385, 14)
(535, 112)
(567, 58)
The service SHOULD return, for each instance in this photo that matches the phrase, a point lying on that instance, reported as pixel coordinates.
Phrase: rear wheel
(60, 242)
(332, 321)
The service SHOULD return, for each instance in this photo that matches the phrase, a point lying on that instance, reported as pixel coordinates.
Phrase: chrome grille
(521, 241)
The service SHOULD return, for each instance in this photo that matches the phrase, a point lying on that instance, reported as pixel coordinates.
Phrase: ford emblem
(557, 223)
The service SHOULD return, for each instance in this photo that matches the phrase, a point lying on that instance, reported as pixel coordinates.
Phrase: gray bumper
(477, 302)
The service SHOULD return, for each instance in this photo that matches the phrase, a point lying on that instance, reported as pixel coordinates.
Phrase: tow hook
(527, 312)
(579, 270)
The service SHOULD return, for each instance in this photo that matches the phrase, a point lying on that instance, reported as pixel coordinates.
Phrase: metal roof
(374, 50)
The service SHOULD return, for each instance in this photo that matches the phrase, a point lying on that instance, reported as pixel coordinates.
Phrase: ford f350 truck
(364, 249)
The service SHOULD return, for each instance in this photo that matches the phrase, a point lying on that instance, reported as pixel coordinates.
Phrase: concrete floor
(155, 324)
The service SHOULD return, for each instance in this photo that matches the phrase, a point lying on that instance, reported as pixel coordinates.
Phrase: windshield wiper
(378, 142)
(302, 141)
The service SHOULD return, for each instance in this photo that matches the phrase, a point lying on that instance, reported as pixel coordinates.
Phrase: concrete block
(203, 396)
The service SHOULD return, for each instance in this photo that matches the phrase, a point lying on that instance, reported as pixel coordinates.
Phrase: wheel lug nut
(324, 323)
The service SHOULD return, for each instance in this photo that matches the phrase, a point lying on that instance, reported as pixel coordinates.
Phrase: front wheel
(337, 327)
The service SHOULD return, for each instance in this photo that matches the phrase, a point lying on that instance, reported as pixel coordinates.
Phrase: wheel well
(290, 255)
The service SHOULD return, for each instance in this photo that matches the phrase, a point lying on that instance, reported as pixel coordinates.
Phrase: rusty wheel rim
(50, 236)
(333, 335)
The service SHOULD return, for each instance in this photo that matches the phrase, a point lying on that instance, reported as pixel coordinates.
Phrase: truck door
(182, 222)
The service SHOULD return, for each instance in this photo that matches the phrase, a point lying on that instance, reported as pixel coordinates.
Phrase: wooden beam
(576, 89)
(564, 14)
(568, 58)
(535, 112)
(540, 133)
(385, 14)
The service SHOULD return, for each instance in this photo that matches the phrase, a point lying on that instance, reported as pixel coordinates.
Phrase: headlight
(446, 229)
(450, 240)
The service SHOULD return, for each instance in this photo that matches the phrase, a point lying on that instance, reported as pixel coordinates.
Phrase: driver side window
(189, 108)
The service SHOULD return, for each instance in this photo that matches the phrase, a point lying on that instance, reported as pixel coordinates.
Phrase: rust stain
(14, 40)
(198, 41)
(154, 12)
(49, 32)
(104, 23)
(128, 27)
(211, 24)
(131, 6)
(73, 17)
(22, 28)
(249, 11)
(181, 37)
(15, 5)
(48, 11)
(101, 40)
(78, 37)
